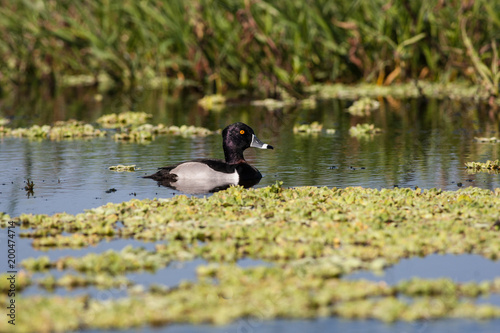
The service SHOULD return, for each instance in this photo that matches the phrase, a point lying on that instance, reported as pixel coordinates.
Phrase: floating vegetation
(331, 131)
(364, 130)
(273, 104)
(147, 132)
(128, 129)
(71, 129)
(284, 293)
(72, 281)
(121, 168)
(22, 280)
(487, 166)
(312, 128)
(111, 262)
(308, 103)
(334, 213)
(363, 106)
(124, 119)
(212, 102)
(313, 236)
(492, 139)
(47, 239)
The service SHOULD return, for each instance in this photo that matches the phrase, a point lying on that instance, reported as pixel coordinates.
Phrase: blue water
(423, 143)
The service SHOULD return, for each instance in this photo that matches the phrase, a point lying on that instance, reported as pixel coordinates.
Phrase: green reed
(254, 46)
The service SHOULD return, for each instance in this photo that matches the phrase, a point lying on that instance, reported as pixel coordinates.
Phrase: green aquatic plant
(110, 262)
(73, 281)
(363, 106)
(363, 131)
(273, 104)
(147, 132)
(124, 119)
(20, 281)
(479, 166)
(283, 292)
(121, 168)
(213, 102)
(314, 127)
(130, 128)
(279, 224)
(311, 237)
(71, 129)
(46, 239)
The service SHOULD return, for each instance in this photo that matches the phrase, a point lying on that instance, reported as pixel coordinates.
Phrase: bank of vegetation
(256, 47)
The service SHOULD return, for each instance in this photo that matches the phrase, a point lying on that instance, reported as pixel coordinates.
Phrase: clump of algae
(128, 127)
(364, 131)
(71, 129)
(486, 166)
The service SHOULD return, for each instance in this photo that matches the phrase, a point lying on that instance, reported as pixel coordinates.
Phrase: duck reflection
(204, 186)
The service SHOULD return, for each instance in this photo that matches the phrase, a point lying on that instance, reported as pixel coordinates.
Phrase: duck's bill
(256, 143)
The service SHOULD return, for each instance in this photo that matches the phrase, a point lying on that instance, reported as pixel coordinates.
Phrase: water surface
(423, 143)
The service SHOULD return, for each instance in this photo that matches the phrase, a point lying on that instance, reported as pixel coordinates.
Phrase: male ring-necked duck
(204, 174)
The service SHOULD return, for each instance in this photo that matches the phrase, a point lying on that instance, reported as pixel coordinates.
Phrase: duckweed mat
(311, 237)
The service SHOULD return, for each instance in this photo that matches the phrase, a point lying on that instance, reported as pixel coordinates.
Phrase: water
(460, 268)
(423, 143)
(330, 325)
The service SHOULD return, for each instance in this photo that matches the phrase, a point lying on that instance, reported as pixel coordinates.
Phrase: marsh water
(423, 143)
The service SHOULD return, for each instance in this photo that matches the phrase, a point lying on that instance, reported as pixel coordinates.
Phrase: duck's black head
(236, 138)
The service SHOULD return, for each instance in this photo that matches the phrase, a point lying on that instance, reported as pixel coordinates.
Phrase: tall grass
(258, 46)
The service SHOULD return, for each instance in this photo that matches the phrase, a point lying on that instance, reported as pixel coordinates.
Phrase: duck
(208, 175)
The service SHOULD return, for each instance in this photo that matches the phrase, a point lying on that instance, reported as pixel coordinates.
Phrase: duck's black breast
(247, 172)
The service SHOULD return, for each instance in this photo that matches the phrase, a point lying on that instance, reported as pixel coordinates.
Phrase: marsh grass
(260, 47)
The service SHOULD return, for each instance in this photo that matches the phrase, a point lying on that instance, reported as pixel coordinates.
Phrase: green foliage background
(255, 45)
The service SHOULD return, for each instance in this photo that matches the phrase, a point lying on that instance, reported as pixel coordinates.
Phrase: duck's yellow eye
(242, 132)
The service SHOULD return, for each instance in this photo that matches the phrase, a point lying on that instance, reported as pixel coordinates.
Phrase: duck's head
(236, 138)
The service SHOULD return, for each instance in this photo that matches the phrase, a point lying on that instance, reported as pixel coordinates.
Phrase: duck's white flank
(200, 171)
